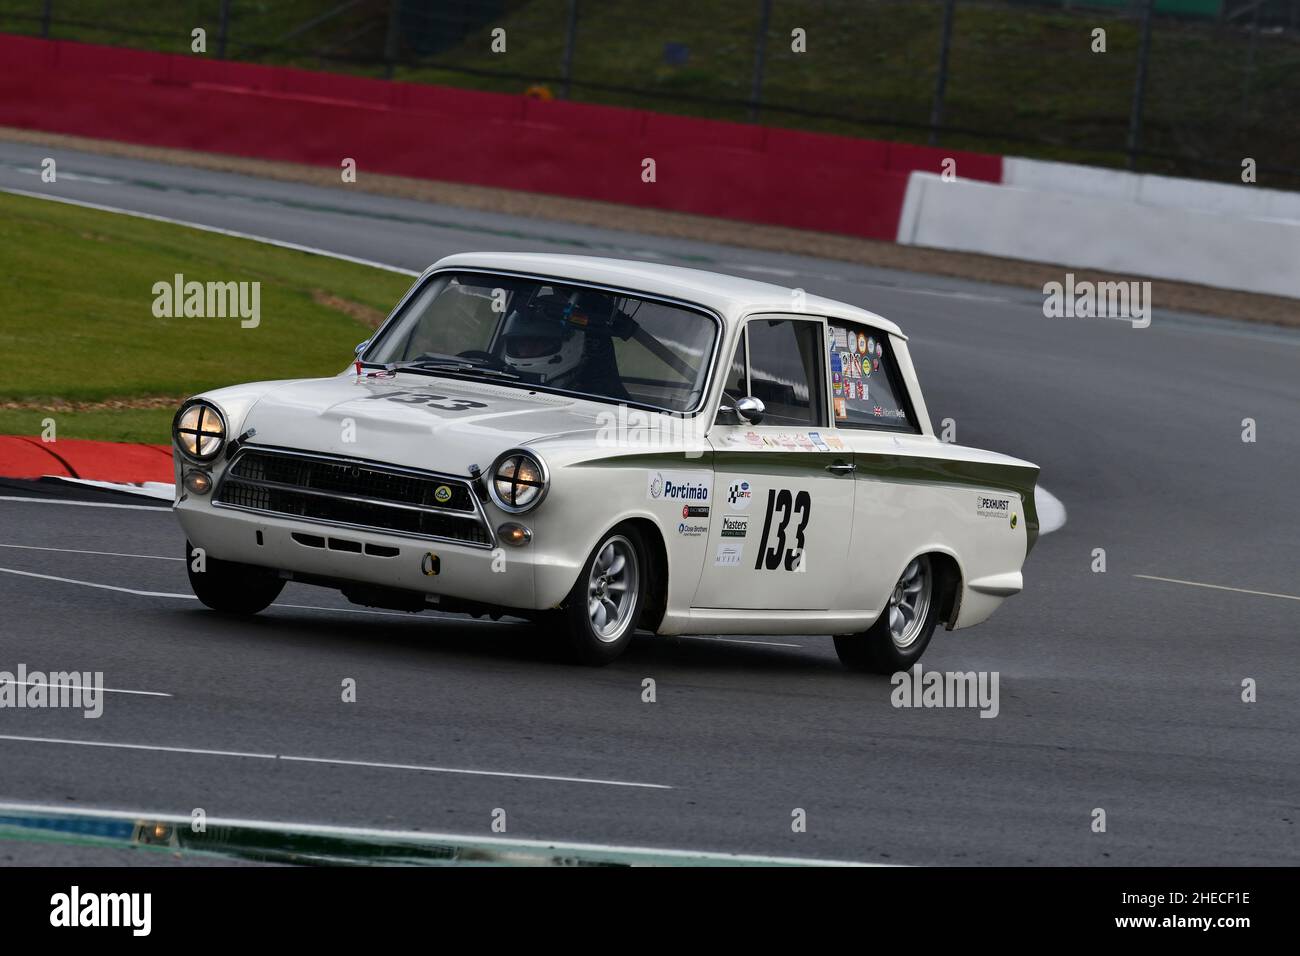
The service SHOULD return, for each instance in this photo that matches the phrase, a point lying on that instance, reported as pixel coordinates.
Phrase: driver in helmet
(547, 349)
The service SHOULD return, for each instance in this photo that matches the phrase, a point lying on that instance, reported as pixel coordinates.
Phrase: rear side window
(866, 388)
(786, 370)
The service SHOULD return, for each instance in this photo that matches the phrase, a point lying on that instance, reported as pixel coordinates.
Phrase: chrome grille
(356, 494)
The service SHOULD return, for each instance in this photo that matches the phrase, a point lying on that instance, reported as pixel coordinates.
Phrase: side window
(787, 372)
(866, 389)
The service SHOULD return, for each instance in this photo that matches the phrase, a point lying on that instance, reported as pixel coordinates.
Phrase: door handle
(841, 468)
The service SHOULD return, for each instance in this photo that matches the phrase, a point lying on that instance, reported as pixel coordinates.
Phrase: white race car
(601, 446)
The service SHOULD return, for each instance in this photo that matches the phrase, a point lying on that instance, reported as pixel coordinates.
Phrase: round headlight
(199, 430)
(518, 482)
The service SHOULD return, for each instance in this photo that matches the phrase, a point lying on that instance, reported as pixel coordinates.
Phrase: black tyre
(903, 631)
(230, 587)
(601, 612)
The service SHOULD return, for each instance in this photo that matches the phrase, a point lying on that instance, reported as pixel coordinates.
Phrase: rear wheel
(601, 612)
(230, 587)
(900, 635)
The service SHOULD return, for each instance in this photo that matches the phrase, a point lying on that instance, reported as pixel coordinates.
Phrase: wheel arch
(652, 613)
(949, 574)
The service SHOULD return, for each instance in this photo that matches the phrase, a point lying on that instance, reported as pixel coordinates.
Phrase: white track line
(106, 554)
(106, 690)
(191, 597)
(296, 247)
(413, 836)
(87, 504)
(1218, 587)
(368, 764)
(730, 640)
(102, 587)
(1051, 510)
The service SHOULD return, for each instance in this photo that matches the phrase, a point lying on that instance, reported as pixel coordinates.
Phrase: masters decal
(735, 526)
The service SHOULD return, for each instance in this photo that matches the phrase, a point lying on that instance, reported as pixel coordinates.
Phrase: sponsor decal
(876, 364)
(754, 438)
(816, 438)
(862, 344)
(804, 441)
(442, 494)
(787, 441)
(834, 441)
(729, 555)
(990, 506)
(879, 352)
(691, 530)
(695, 511)
(735, 526)
(678, 486)
(841, 410)
(866, 367)
(839, 337)
(739, 495)
(871, 345)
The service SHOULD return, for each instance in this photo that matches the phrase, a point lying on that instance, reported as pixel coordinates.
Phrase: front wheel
(601, 612)
(230, 587)
(900, 635)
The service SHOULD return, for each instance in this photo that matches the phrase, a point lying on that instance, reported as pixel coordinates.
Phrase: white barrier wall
(1229, 199)
(1096, 228)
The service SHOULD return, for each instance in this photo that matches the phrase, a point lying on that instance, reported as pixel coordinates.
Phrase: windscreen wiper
(450, 366)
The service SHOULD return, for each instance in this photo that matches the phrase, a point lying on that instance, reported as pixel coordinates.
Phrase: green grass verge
(78, 323)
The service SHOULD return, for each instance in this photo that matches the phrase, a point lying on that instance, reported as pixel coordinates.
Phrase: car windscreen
(569, 338)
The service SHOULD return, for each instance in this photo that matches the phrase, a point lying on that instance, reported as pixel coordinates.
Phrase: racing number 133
(779, 555)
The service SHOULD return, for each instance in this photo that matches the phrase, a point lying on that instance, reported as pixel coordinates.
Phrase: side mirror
(750, 410)
(360, 348)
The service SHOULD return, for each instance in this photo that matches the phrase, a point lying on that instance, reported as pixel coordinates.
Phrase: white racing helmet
(542, 347)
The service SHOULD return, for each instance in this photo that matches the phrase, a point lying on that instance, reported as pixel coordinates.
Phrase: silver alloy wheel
(910, 602)
(612, 589)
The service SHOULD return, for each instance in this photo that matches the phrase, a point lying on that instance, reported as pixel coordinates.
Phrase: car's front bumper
(501, 577)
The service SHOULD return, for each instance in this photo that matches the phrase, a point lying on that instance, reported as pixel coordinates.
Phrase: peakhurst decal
(679, 487)
(992, 506)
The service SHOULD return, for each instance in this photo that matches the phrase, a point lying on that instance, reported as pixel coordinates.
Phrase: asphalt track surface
(1118, 692)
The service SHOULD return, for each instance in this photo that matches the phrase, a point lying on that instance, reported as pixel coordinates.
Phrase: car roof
(730, 296)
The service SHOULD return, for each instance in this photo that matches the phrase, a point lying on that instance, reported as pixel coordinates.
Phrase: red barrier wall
(751, 173)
